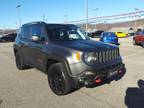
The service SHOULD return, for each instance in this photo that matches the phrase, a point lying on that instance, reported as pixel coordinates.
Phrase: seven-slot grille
(106, 56)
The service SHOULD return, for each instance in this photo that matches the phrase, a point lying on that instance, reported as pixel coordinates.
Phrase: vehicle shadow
(1, 101)
(105, 81)
(135, 96)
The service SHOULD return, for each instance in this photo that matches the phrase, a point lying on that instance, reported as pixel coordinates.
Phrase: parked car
(96, 34)
(8, 38)
(121, 34)
(67, 55)
(138, 39)
(131, 32)
(109, 37)
(89, 34)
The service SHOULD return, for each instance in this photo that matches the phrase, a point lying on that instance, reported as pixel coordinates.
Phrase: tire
(19, 62)
(58, 79)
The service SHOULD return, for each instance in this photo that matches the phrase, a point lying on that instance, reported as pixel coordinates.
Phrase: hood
(86, 45)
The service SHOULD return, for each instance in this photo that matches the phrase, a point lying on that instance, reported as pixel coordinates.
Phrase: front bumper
(92, 76)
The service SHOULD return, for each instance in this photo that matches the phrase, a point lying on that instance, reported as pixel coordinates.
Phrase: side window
(24, 32)
(36, 30)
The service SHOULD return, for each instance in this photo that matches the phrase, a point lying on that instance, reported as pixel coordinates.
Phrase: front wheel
(58, 79)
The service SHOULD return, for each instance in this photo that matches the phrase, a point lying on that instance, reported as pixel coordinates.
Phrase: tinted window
(24, 32)
(141, 33)
(65, 33)
(13, 35)
(36, 30)
(109, 34)
(6, 38)
(3, 37)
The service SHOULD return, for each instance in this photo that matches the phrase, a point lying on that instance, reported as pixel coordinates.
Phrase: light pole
(46, 20)
(16, 25)
(19, 14)
(105, 25)
(43, 17)
(135, 22)
(86, 10)
(95, 11)
(65, 18)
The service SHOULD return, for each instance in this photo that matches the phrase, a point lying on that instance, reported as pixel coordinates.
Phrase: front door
(36, 47)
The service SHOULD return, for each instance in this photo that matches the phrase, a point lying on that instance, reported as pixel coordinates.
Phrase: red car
(138, 39)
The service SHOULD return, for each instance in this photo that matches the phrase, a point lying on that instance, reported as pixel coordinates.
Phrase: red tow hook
(98, 80)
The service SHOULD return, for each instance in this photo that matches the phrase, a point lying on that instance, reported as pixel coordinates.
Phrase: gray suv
(69, 57)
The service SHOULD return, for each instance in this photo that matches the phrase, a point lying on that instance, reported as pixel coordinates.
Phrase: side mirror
(35, 38)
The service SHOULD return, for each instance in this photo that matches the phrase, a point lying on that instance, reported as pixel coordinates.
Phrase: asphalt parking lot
(29, 88)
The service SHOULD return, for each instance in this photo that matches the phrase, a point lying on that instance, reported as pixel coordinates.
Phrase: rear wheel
(58, 79)
(19, 62)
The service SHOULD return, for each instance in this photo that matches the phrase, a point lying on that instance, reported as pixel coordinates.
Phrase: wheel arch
(51, 60)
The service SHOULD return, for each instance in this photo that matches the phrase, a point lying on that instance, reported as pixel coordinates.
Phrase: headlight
(90, 58)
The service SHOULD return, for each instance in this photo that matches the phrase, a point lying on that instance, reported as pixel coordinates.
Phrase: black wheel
(58, 79)
(19, 62)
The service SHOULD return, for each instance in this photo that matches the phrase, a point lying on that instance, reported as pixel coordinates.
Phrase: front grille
(106, 56)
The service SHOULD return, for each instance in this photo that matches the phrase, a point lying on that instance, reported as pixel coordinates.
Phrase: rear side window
(109, 34)
(4, 37)
(24, 32)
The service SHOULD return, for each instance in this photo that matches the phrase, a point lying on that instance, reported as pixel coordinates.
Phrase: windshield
(119, 32)
(141, 33)
(65, 33)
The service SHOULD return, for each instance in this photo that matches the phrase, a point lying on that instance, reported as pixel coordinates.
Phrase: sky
(55, 10)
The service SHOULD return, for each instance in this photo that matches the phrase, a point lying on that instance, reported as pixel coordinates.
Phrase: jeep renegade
(69, 57)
